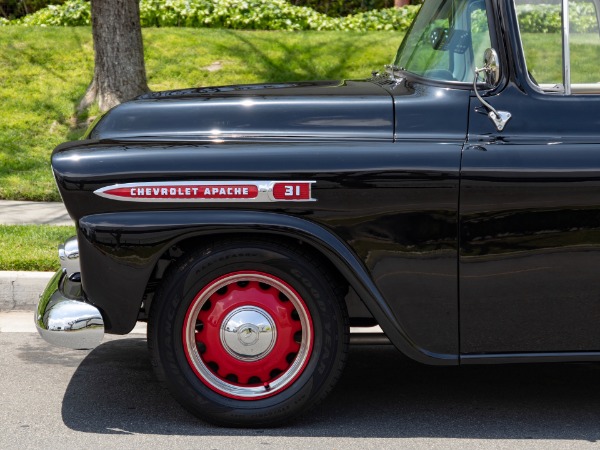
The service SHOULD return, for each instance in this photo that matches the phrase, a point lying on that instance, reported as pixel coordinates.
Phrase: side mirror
(491, 68)
(491, 72)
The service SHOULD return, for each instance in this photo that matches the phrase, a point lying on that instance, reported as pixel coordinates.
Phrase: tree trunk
(401, 3)
(119, 71)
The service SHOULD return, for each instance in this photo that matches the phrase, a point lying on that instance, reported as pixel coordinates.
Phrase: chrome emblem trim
(210, 191)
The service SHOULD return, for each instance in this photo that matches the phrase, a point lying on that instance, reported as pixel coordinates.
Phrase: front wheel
(248, 334)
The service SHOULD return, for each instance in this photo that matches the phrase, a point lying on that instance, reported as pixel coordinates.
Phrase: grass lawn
(31, 247)
(45, 71)
(544, 57)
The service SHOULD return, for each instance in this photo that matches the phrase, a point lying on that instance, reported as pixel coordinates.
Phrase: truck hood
(305, 110)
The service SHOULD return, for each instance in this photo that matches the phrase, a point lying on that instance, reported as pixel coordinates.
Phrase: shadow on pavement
(381, 395)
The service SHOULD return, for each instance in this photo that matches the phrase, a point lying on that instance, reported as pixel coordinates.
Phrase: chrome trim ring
(239, 373)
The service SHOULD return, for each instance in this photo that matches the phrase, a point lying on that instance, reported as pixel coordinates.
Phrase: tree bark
(119, 71)
(401, 3)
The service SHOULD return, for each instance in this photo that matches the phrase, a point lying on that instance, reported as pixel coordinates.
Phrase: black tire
(285, 343)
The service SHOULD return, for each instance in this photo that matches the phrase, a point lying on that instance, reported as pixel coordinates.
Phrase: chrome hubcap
(248, 333)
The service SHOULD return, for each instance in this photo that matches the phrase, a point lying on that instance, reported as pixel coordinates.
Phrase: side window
(549, 67)
(584, 43)
(541, 36)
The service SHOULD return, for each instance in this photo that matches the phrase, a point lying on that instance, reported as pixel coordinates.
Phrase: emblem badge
(210, 191)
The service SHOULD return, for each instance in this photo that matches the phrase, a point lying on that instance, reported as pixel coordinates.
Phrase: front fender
(118, 252)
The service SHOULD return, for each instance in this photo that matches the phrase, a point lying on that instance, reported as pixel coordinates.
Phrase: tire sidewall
(199, 270)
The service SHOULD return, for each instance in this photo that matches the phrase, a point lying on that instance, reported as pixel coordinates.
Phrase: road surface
(109, 398)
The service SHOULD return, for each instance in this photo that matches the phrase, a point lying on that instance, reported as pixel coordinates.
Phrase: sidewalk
(33, 213)
(19, 291)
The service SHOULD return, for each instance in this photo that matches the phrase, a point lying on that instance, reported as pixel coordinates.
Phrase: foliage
(282, 15)
(11, 9)
(233, 14)
(479, 21)
(380, 19)
(240, 15)
(71, 13)
(546, 18)
(339, 8)
(45, 71)
(31, 247)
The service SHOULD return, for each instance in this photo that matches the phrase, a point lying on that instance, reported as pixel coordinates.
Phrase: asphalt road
(108, 398)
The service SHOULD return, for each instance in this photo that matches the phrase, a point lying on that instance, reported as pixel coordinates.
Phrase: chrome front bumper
(63, 317)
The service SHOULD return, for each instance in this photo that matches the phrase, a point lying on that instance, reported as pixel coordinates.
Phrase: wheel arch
(110, 242)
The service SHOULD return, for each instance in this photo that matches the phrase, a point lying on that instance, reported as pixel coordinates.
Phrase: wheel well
(357, 311)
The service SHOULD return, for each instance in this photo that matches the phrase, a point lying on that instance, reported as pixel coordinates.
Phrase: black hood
(320, 110)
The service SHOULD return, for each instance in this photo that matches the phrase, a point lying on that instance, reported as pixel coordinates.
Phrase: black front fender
(119, 251)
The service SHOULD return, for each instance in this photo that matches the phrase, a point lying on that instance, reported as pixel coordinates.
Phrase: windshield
(445, 39)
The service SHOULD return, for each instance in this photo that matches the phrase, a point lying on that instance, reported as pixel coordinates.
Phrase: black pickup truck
(452, 199)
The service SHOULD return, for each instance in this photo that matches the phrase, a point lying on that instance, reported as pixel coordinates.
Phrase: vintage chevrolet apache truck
(456, 207)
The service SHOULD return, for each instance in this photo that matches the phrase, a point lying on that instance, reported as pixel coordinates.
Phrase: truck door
(529, 263)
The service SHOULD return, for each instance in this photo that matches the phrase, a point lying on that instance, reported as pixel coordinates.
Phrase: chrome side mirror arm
(492, 75)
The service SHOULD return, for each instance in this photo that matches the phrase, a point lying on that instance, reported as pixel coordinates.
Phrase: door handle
(479, 148)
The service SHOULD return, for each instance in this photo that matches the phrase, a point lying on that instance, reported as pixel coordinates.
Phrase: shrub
(11, 9)
(380, 19)
(71, 13)
(339, 8)
(281, 15)
(234, 14)
(265, 15)
(242, 15)
(546, 18)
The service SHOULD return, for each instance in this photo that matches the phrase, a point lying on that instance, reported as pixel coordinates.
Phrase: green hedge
(281, 15)
(340, 8)
(266, 15)
(11, 9)
(71, 13)
(233, 14)
(546, 18)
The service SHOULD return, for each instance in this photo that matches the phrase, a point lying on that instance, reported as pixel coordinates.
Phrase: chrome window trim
(565, 89)
(566, 50)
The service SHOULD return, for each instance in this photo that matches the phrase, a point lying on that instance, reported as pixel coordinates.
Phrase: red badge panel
(210, 191)
(291, 191)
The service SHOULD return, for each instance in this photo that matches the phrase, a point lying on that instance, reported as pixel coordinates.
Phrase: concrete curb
(20, 291)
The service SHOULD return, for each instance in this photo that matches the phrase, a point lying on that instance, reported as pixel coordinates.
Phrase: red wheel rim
(248, 335)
